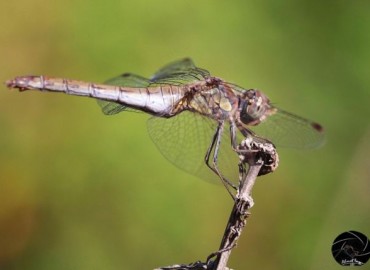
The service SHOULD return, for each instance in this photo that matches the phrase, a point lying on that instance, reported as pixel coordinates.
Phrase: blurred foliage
(80, 190)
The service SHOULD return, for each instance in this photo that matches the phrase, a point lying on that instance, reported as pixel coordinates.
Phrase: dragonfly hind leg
(214, 146)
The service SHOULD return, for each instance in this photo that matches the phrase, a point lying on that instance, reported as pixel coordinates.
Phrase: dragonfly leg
(233, 136)
(215, 145)
(248, 134)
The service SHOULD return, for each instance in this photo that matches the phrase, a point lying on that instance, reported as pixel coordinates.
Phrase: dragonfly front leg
(248, 134)
(215, 146)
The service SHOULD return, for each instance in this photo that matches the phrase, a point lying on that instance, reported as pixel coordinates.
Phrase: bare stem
(238, 217)
(255, 158)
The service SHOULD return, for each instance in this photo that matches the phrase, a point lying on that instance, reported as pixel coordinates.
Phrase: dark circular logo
(351, 248)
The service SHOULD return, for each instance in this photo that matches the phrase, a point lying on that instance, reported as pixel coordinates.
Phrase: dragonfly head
(255, 107)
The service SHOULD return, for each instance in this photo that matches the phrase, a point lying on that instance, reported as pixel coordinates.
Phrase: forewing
(179, 73)
(184, 140)
(182, 65)
(126, 79)
(288, 130)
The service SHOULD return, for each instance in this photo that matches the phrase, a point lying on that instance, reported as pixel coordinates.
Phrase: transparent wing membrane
(179, 73)
(288, 130)
(184, 140)
(126, 79)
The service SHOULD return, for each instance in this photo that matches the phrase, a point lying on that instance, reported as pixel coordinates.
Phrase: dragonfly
(197, 120)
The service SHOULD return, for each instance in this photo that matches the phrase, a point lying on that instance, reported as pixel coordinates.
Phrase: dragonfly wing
(182, 65)
(110, 108)
(179, 72)
(176, 73)
(129, 79)
(184, 141)
(126, 79)
(288, 130)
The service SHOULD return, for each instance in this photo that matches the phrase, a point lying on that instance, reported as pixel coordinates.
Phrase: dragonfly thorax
(255, 107)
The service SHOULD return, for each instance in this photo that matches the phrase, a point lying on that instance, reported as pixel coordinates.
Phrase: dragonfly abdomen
(158, 99)
(72, 87)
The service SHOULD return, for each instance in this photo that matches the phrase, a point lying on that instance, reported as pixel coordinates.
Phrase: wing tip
(317, 127)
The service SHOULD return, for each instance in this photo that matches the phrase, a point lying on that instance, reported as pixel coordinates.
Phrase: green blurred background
(80, 190)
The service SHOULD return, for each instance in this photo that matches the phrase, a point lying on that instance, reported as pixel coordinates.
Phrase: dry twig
(255, 158)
